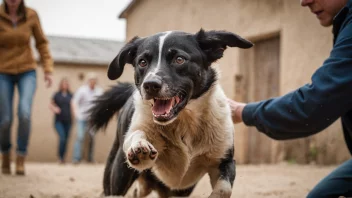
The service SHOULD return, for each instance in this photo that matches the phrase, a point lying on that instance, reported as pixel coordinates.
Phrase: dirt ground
(84, 181)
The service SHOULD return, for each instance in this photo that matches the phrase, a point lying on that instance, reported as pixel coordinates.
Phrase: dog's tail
(106, 105)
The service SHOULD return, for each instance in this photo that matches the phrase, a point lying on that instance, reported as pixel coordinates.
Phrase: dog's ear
(213, 43)
(126, 55)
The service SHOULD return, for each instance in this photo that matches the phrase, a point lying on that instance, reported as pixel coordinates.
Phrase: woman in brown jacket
(18, 67)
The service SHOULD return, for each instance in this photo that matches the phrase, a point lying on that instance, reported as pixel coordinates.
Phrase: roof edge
(128, 8)
(74, 62)
(82, 38)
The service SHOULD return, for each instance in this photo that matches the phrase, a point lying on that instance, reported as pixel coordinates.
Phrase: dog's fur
(170, 152)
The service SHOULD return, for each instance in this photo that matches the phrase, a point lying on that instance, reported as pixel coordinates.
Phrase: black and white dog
(174, 124)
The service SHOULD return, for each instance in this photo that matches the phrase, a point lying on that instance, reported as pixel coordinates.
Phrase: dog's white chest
(178, 169)
(183, 163)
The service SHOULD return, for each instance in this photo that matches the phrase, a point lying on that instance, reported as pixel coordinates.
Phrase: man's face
(92, 83)
(325, 10)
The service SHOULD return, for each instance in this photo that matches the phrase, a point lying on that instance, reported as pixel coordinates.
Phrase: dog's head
(172, 68)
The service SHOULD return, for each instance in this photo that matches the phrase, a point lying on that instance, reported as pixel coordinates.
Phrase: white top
(83, 99)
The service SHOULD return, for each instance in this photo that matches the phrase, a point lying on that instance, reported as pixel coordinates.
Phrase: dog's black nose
(152, 86)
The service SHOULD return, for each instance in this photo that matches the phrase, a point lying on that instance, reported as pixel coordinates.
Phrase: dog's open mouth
(164, 109)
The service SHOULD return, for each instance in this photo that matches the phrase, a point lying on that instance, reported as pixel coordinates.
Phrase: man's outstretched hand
(236, 109)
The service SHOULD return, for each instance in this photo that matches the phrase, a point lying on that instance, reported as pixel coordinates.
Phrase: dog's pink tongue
(162, 107)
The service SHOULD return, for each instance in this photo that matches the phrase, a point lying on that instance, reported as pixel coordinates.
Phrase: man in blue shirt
(315, 106)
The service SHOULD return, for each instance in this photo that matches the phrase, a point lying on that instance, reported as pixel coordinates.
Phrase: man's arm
(312, 107)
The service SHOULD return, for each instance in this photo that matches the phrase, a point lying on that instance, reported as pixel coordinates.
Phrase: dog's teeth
(162, 98)
(173, 103)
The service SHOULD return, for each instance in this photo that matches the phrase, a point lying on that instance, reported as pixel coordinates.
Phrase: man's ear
(126, 55)
(213, 43)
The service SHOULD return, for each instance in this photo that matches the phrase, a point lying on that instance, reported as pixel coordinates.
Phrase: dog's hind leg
(107, 171)
(182, 193)
(165, 192)
(145, 185)
(147, 182)
(121, 176)
(162, 190)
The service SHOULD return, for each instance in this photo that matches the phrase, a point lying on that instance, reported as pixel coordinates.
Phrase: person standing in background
(61, 106)
(82, 101)
(18, 24)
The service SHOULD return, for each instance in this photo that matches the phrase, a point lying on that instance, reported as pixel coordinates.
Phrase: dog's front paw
(141, 155)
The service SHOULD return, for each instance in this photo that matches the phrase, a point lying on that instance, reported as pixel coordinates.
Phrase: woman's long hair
(21, 10)
(61, 83)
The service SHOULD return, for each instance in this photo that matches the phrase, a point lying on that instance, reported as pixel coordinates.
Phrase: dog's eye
(142, 63)
(180, 60)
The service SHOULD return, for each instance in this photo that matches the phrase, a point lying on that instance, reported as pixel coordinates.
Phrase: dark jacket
(315, 106)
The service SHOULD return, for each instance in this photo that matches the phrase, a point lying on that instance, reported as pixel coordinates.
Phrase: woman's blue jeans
(26, 84)
(63, 130)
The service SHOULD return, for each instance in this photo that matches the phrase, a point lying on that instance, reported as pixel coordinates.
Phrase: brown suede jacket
(15, 51)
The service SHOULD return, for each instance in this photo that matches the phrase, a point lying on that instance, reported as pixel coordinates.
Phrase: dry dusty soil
(84, 181)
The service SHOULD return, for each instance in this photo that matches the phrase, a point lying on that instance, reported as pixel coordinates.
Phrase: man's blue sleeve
(314, 106)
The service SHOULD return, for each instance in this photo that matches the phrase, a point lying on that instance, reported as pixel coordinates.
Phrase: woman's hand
(48, 78)
(54, 108)
(236, 110)
(57, 110)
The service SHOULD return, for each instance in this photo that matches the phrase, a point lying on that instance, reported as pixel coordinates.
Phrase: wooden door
(264, 83)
